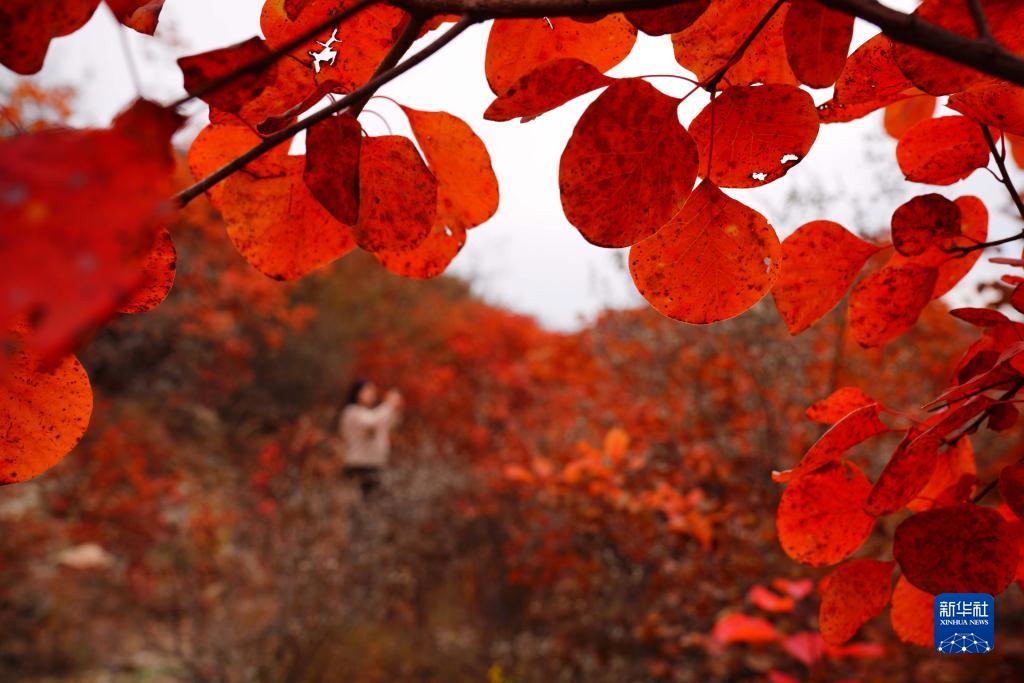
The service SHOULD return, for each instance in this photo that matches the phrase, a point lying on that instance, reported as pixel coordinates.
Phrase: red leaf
(628, 167)
(817, 41)
(1002, 417)
(27, 26)
(903, 115)
(953, 475)
(942, 151)
(765, 599)
(670, 19)
(940, 76)
(332, 165)
(999, 105)
(856, 591)
(467, 189)
(871, 77)
(924, 221)
(397, 195)
(819, 262)
(708, 45)
(515, 47)
(739, 628)
(82, 210)
(905, 475)
(798, 590)
(980, 317)
(362, 40)
(1011, 488)
(841, 403)
(141, 15)
(712, 261)
(806, 647)
(912, 614)
(962, 549)
(887, 303)
(820, 518)
(550, 85)
(158, 276)
(44, 414)
(760, 132)
(854, 428)
(430, 257)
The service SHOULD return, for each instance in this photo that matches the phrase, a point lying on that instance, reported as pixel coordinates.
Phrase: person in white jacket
(365, 428)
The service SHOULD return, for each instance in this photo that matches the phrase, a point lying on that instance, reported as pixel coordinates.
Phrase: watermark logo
(965, 623)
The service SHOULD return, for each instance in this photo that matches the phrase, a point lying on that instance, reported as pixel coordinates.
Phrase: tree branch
(980, 20)
(358, 95)
(1000, 158)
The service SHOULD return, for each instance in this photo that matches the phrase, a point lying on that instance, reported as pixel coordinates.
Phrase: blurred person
(365, 426)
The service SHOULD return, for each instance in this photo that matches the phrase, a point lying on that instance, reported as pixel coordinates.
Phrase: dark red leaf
(887, 303)
(550, 85)
(817, 41)
(1011, 488)
(856, 591)
(923, 221)
(332, 165)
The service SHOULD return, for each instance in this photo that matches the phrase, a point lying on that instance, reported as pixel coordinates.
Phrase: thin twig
(1001, 163)
(712, 83)
(980, 20)
(357, 95)
(129, 58)
(397, 51)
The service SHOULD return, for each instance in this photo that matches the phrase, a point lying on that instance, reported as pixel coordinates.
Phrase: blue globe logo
(962, 643)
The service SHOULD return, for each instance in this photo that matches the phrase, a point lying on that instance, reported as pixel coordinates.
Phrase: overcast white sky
(528, 257)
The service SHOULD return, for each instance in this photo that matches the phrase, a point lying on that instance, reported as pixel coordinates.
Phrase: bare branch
(980, 20)
(356, 97)
(1000, 158)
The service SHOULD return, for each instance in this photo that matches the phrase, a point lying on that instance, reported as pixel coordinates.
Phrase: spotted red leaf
(332, 165)
(819, 263)
(712, 261)
(820, 519)
(760, 132)
(838, 405)
(159, 268)
(961, 549)
(467, 189)
(887, 303)
(856, 591)
(670, 19)
(1011, 488)
(28, 26)
(710, 43)
(954, 475)
(999, 105)
(870, 80)
(940, 76)
(44, 413)
(913, 614)
(923, 221)
(903, 115)
(942, 151)
(550, 85)
(854, 428)
(628, 166)
(515, 47)
(430, 257)
(397, 195)
(905, 475)
(817, 41)
(80, 211)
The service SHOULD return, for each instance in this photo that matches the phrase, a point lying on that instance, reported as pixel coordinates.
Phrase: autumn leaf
(670, 19)
(923, 221)
(759, 133)
(912, 614)
(739, 628)
(332, 165)
(712, 261)
(1011, 488)
(839, 404)
(952, 479)
(769, 601)
(903, 115)
(158, 270)
(430, 257)
(819, 263)
(516, 47)
(547, 87)
(961, 549)
(942, 151)
(856, 591)
(45, 412)
(817, 41)
(854, 428)
(28, 26)
(628, 167)
(141, 15)
(820, 519)
(888, 302)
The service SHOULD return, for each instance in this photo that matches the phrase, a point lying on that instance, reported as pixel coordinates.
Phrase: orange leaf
(961, 549)
(141, 15)
(887, 303)
(550, 85)
(856, 591)
(430, 257)
(707, 45)
(903, 115)
(942, 151)
(27, 26)
(760, 132)
(157, 279)
(769, 601)
(44, 412)
(397, 195)
(670, 19)
(817, 41)
(870, 80)
(628, 167)
(854, 428)
(739, 628)
(467, 189)
(515, 47)
(819, 262)
(332, 165)
(820, 519)
(912, 614)
(712, 261)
